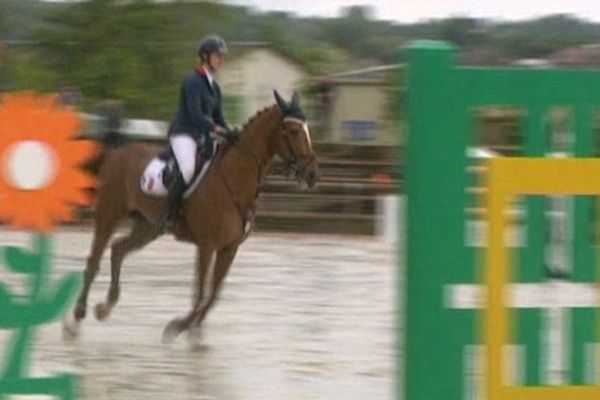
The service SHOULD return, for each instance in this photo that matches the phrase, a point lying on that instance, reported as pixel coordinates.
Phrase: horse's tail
(94, 164)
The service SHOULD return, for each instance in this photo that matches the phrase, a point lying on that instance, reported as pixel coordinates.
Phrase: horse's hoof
(79, 312)
(173, 329)
(195, 337)
(101, 311)
(70, 329)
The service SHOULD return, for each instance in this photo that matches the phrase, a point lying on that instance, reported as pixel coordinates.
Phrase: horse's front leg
(178, 325)
(222, 264)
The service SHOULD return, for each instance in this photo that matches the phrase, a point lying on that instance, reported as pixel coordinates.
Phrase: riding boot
(176, 190)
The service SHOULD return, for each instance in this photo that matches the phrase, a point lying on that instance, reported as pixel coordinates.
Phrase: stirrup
(168, 218)
(174, 199)
(165, 225)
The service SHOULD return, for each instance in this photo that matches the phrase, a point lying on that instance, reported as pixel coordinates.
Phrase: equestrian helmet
(212, 44)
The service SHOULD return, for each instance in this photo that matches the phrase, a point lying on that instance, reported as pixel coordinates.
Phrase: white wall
(255, 74)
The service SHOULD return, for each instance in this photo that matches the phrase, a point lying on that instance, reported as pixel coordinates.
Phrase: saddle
(163, 169)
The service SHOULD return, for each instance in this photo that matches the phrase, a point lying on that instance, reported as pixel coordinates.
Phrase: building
(584, 56)
(360, 106)
(251, 74)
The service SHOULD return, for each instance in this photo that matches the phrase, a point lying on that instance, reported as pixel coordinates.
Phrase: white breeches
(184, 148)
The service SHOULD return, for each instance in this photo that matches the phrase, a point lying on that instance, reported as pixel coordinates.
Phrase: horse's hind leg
(142, 233)
(107, 218)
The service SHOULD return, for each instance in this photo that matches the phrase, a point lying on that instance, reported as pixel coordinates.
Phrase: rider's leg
(184, 149)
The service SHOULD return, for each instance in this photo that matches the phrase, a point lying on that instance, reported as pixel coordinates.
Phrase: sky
(407, 11)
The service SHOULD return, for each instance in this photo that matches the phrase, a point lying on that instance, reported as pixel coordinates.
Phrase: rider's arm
(218, 113)
(193, 104)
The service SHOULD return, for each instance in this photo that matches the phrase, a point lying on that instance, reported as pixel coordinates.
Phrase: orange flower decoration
(41, 179)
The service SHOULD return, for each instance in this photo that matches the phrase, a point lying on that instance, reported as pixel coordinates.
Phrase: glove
(231, 135)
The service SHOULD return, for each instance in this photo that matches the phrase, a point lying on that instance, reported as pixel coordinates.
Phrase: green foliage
(126, 55)
(22, 69)
(139, 50)
(232, 108)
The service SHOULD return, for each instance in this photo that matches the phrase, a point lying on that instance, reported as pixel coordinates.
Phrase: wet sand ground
(300, 317)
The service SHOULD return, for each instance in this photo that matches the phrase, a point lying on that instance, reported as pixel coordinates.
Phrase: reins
(250, 214)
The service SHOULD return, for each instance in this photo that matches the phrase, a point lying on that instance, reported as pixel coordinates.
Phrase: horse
(217, 214)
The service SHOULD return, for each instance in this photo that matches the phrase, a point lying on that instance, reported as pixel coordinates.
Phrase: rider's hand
(231, 135)
(218, 129)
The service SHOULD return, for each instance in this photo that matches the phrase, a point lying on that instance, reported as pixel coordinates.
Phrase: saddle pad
(151, 181)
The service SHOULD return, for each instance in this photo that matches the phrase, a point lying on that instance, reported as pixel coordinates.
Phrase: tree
(463, 32)
(126, 55)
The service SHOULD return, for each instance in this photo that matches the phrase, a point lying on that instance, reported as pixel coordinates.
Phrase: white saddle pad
(152, 178)
(151, 181)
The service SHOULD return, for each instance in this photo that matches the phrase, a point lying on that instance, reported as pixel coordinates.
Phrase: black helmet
(212, 44)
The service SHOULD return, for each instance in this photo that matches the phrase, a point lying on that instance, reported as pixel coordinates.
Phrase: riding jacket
(200, 107)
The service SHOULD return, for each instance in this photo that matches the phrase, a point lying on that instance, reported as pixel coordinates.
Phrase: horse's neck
(249, 160)
(258, 135)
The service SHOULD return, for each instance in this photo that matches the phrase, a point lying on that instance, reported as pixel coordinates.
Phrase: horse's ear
(295, 99)
(280, 101)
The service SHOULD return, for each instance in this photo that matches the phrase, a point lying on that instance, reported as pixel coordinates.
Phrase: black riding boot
(176, 190)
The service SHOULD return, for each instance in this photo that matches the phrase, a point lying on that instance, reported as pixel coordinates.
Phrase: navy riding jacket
(200, 107)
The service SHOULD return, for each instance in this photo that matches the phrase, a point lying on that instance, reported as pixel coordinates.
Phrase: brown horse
(215, 214)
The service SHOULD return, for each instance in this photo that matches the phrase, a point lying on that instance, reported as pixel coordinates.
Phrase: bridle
(293, 164)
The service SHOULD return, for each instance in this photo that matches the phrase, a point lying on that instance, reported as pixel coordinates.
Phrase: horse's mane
(226, 145)
(253, 118)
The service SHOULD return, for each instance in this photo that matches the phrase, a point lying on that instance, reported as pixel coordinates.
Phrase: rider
(200, 113)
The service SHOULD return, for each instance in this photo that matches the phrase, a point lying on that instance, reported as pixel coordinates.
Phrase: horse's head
(293, 143)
